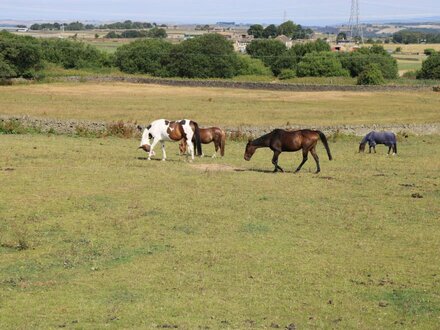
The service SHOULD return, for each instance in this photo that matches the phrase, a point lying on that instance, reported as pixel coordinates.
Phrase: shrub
(252, 67)
(430, 68)
(321, 64)
(207, 56)
(112, 35)
(429, 51)
(144, 56)
(121, 129)
(287, 74)
(410, 75)
(6, 70)
(371, 76)
(73, 54)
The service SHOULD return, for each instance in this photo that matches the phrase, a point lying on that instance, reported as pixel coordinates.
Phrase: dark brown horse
(208, 135)
(281, 140)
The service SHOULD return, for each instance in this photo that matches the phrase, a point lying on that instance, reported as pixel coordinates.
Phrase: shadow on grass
(159, 160)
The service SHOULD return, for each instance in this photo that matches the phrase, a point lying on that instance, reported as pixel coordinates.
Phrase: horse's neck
(262, 141)
(145, 137)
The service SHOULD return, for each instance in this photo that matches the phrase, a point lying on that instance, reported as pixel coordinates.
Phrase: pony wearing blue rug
(373, 138)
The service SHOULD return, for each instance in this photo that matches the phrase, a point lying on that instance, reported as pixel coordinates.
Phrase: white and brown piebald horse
(162, 130)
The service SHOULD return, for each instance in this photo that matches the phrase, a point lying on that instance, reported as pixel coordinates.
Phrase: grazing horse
(208, 135)
(281, 140)
(373, 138)
(162, 130)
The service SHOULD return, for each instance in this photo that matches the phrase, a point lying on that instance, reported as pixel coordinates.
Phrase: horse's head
(147, 148)
(250, 150)
(362, 147)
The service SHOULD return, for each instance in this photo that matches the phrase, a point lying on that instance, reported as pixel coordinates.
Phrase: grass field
(94, 236)
(215, 106)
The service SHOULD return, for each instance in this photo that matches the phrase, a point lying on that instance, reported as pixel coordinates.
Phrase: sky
(310, 12)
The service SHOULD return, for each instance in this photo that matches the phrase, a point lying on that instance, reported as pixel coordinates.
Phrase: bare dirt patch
(215, 167)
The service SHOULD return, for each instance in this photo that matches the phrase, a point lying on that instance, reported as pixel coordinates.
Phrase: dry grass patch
(216, 106)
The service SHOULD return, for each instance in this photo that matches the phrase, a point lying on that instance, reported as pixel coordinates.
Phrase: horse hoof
(148, 158)
(163, 159)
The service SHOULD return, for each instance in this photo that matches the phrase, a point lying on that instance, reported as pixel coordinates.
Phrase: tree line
(206, 56)
(154, 32)
(416, 37)
(78, 26)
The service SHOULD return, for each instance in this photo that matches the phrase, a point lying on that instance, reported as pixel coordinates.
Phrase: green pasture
(94, 236)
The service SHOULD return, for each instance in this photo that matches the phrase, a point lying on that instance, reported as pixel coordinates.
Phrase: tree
(371, 76)
(430, 68)
(342, 36)
(270, 31)
(267, 51)
(256, 30)
(321, 64)
(157, 33)
(144, 56)
(206, 56)
(288, 28)
(19, 54)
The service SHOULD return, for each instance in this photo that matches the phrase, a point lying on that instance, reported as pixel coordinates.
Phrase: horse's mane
(261, 139)
(365, 139)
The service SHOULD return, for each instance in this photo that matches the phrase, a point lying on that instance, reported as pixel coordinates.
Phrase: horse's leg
(151, 153)
(191, 148)
(217, 146)
(374, 148)
(305, 152)
(276, 154)
(394, 149)
(389, 149)
(164, 155)
(315, 156)
(369, 149)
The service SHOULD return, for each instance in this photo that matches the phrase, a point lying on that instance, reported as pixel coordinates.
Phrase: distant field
(94, 236)
(412, 48)
(216, 106)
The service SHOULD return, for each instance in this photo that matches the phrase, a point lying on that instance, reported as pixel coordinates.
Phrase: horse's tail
(222, 143)
(324, 141)
(198, 140)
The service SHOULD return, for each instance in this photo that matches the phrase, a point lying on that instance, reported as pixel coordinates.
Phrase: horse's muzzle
(145, 147)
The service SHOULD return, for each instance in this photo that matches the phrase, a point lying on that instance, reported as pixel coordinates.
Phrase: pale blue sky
(204, 11)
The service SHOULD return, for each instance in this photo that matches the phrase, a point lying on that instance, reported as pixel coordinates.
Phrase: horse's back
(384, 137)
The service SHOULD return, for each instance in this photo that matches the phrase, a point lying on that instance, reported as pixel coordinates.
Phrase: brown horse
(208, 135)
(281, 140)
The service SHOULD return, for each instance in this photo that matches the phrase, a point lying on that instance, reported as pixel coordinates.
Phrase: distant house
(285, 40)
(22, 30)
(340, 48)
